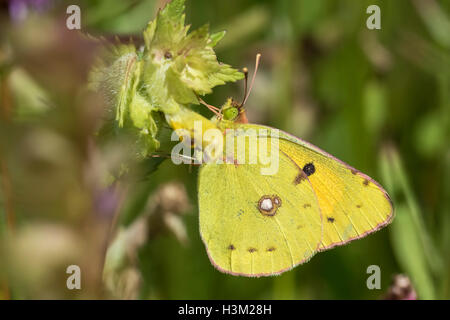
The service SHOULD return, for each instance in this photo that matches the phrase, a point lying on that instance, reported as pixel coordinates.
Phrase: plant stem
(5, 115)
(5, 187)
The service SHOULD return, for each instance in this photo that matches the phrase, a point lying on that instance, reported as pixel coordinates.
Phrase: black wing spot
(359, 206)
(271, 249)
(251, 250)
(309, 169)
(366, 182)
(354, 171)
(231, 247)
(330, 219)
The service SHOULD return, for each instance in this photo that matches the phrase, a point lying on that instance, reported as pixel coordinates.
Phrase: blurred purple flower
(106, 202)
(18, 9)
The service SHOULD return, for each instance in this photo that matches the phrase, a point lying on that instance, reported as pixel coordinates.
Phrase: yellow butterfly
(256, 224)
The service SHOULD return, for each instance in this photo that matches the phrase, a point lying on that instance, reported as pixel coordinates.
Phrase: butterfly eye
(230, 113)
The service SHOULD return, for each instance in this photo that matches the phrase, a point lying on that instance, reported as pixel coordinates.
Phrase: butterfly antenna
(258, 58)
(245, 70)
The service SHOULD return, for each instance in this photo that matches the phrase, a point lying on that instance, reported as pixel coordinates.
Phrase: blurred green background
(377, 99)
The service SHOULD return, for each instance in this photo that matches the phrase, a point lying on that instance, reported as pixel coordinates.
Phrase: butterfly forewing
(352, 204)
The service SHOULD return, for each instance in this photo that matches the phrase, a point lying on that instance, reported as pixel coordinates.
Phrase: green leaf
(140, 114)
(409, 252)
(169, 73)
(412, 243)
(179, 65)
(115, 76)
(216, 37)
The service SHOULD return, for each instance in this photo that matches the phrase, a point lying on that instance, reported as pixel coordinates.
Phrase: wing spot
(268, 205)
(277, 201)
(309, 169)
(354, 171)
(271, 249)
(307, 205)
(300, 177)
(231, 247)
(251, 250)
(359, 206)
(366, 182)
(330, 219)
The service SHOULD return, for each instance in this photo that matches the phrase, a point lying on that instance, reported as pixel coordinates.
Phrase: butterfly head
(232, 110)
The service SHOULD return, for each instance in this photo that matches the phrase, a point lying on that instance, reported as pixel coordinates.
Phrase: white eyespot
(266, 204)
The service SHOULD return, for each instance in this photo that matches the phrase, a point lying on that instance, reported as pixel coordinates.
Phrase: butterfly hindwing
(242, 239)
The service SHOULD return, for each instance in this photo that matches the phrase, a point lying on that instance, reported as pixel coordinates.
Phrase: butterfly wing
(352, 204)
(243, 239)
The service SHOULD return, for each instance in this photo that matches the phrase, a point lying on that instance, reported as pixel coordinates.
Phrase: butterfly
(256, 224)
